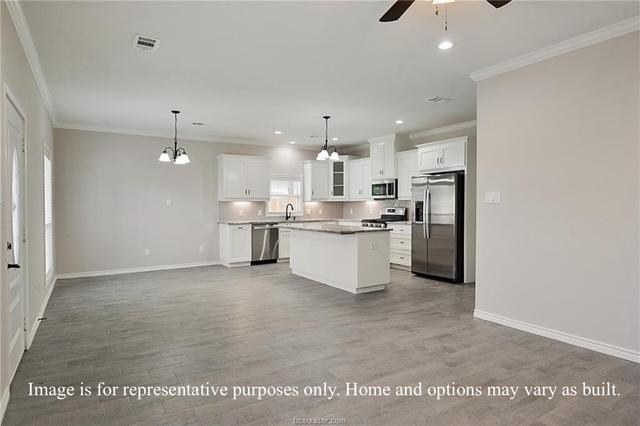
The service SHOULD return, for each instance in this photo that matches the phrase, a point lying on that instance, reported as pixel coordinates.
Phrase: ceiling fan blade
(498, 3)
(395, 12)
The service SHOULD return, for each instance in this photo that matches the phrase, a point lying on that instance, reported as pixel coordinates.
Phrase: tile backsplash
(356, 210)
(254, 210)
(372, 209)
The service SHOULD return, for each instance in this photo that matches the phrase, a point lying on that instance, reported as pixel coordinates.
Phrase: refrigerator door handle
(427, 210)
(424, 214)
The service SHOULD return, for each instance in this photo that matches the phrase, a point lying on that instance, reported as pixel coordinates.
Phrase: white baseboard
(4, 402)
(583, 342)
(134, 270)
(43, 307)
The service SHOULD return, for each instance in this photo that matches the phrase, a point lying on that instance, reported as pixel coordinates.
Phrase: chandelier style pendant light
(324, 150)
(175, 154)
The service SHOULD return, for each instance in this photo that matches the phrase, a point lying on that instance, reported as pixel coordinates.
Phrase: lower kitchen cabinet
(235, 245)
(400, 244)
(283, 243)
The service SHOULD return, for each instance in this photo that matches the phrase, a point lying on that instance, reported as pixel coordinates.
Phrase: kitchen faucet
(288, 215)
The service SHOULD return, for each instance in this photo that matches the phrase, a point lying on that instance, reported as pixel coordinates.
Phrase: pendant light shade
(175, 154)
(326, 148)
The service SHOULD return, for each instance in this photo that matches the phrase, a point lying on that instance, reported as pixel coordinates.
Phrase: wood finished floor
(264, 326)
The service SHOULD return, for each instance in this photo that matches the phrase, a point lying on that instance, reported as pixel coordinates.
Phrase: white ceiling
(247, 69)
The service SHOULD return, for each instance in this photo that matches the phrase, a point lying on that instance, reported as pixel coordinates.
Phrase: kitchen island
(351, 258)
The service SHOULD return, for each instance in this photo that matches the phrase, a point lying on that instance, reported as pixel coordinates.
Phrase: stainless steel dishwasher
(264, 243)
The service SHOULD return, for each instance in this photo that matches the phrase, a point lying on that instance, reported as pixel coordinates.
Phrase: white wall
(16, 74)
(560, 140)
(111, 199)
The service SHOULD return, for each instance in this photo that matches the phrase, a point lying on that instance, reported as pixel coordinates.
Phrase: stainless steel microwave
(384, 189)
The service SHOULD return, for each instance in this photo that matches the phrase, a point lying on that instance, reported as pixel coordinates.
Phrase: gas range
(391, 214)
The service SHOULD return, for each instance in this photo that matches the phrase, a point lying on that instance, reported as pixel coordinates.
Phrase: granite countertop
(274, 220)
(334, 228)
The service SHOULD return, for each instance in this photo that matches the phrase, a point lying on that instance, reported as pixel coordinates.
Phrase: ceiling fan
(400, 7)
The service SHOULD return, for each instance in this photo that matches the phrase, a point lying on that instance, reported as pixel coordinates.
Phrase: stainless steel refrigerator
(437, 229)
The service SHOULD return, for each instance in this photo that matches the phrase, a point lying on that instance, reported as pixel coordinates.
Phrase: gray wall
(111, 199)
(17, 75)
(560, 140)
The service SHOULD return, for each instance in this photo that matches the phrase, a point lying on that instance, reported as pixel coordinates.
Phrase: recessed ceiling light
(277, 132)
(399, 121)
(445, 44)
(334, 138)
(198, 123)
(292, 142)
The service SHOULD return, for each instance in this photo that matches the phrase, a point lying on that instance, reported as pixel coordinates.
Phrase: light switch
(307, 211)
(169, 202)
(492, 197)
(259, 212)
(147, 252)
(240, 212)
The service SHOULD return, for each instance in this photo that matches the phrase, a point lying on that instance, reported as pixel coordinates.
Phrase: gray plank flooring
(264, 326)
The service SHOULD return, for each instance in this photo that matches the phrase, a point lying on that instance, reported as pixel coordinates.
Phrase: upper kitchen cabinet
(446, 155)
(383, 157)
(339, 177)
(407, 167)
(360, 179)
(316, 180)
(242, 177)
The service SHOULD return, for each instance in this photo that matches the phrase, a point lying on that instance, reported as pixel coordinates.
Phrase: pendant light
(324, 150)
(175, 154)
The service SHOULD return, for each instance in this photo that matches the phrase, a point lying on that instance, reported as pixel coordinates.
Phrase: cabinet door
(233, 178)
(338, 179)
(429, 158)
(377, 160)
(407, 167)
(320, 180)
(453, 154)
(240, 240)
(257, 175)
(355, 180)
(366, 180)
(283, 243)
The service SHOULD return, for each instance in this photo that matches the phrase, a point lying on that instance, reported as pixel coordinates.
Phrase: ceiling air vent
(145, 42)
(438, 100)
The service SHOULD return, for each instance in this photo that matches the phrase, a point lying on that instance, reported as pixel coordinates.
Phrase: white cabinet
(338, 176)
(283, 243)
(383, 157)
(407, 167)
(235, 244)
(360, 179)
(400, 246)
(242, 177)
(450, 154)
(316, 180)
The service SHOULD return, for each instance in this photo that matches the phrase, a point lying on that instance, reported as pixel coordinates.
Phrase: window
(285, 190)
(48, 216)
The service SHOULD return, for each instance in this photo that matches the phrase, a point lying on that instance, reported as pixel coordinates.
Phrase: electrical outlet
(374, 246)
(169, 202)
(370, 211)
(201, 249)
(240, 212)
(307, 211)
(320, 211)
(147, 252)
(350, 211)
(492, 197)
(259, 212)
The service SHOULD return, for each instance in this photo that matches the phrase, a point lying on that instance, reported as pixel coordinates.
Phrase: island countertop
(333, 228)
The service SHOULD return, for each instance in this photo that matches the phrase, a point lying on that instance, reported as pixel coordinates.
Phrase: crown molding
(606, 33)
(183, 136)
(24, 35)
(444, 129)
